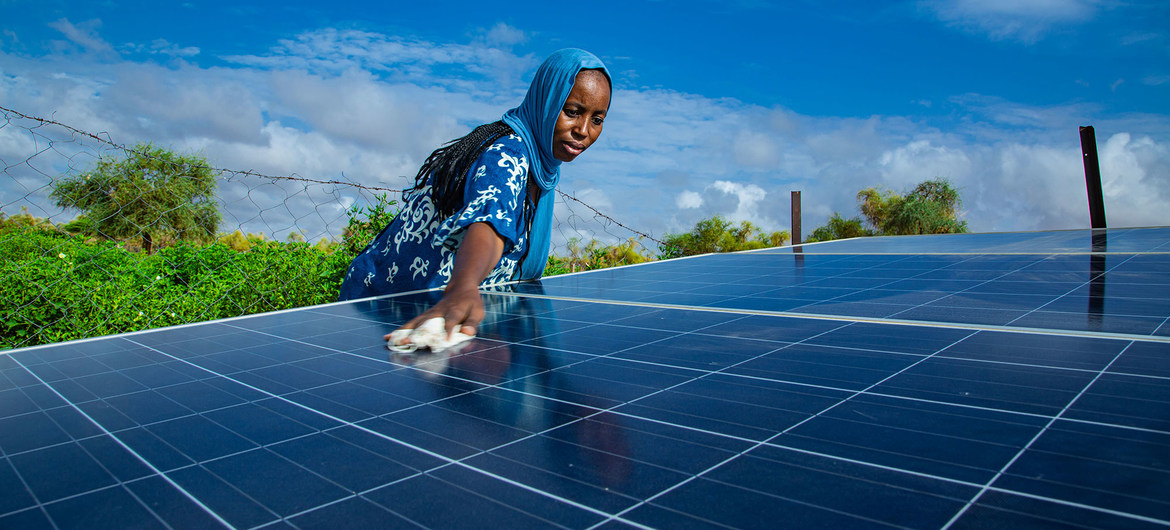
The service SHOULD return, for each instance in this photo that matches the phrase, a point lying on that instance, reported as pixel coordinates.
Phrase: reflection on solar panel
(974, 380)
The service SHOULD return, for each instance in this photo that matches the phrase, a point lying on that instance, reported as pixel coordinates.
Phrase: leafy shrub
(930, 208)
(56, 287)
(719, 235)
(365, 223)
(839, 228)
(594, 255)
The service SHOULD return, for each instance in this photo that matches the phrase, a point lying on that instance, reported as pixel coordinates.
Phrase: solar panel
(928, 382)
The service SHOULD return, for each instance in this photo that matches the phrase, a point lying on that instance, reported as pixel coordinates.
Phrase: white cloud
(688, 199)
(162, 46)
(735, 201)
(1027, 21)
(596, 198)
(748, 197)
(505, 36)
(756, 150)
(84, 35)
(1135, 176)
(370, 107)
(920, 160)
(332, 51)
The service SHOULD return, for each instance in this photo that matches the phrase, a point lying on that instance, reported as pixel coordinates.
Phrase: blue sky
(721, 107)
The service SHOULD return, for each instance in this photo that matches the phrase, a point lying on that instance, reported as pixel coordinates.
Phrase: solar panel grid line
(773, 437)
(1135, 518)
(829, 300)
(1000, 253)
(1165, 325)
(1005, 321)
(1050, 302)
(854, 292)
(536, 433)
(894, 396)
(408, 445)
(23, 483)
(810, 337)
(871, 320)
(967, 422)
(957, 293)
(1040, 433)
(699, 331)
(144, 461)
(1051, 499)
(617, 516)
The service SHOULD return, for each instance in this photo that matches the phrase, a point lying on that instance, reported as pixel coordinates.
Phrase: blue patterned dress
(417, 249)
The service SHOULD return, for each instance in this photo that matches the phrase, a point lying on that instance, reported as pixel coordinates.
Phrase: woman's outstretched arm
(461, 305)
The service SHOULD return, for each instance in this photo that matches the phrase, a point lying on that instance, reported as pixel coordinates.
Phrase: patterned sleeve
(495, 194)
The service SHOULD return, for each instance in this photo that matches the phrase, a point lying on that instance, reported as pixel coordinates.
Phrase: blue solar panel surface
(984, 380)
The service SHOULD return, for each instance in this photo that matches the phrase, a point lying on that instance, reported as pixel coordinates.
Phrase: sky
(719, 107)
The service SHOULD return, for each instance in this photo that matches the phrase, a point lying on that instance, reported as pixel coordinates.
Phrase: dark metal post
(796, 218)
(1093, 178)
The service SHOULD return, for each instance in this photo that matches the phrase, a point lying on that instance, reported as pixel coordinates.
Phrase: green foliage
(240, 242)
(930, 208)
(839, 228)
(56, 287)
(595, 256)
(719, 235)
(365, 223)
(25, 220)
(80, 226)
(152, 193)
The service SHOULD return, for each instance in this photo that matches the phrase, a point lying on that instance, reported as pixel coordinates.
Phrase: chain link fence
(142, 258)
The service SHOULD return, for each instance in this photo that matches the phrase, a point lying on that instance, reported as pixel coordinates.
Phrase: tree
(25, 220)
(719, 235)
(839, 228)
(153, 192)
(931, 208)
(365, 223)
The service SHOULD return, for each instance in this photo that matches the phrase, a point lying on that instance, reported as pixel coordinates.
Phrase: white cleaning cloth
(432, 334)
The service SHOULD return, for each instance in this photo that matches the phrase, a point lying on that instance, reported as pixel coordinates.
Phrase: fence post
(796, 218)
(1093, 178)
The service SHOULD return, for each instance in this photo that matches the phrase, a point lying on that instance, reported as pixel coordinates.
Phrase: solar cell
(941, 381)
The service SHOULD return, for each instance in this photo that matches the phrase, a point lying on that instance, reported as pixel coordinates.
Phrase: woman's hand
(462, 310)
(462, 306)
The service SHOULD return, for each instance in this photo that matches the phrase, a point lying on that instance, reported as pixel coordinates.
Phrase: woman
(480, 211)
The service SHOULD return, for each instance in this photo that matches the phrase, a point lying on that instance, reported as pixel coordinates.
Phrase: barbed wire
(61, 279)
(250, 173)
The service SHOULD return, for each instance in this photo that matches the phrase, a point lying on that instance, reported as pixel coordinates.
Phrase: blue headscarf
(534, 121)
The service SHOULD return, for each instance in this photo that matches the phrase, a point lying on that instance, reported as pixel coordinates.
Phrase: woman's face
(579, 123)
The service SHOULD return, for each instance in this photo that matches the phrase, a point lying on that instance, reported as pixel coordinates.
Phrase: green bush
(839, 228)
(594, 255)
(932, 207)
(365, 223)
(56, 287)
(719, 235)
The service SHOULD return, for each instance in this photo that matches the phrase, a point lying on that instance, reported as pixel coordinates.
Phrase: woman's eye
(597, 120)
(570, 113)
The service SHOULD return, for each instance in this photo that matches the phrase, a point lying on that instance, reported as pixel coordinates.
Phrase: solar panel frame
(608, 398)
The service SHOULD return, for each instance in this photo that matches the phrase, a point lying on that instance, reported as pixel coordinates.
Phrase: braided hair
(448, 165)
